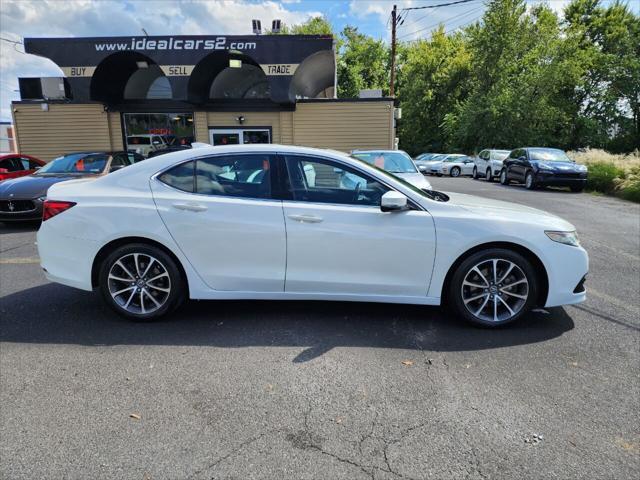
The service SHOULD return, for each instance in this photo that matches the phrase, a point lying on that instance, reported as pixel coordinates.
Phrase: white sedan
(255, 222)
(456, 164)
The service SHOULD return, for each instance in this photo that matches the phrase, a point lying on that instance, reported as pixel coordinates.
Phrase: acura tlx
(295, 223)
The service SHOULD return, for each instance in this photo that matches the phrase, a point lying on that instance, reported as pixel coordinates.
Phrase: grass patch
(610, 174)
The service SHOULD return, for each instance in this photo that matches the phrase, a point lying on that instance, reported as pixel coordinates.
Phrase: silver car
(396, 162)
(488, 164)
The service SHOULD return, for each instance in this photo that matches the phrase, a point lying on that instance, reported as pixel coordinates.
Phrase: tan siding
(344, 125)
(201, 127)
(251, 119)
(62, 129)
(115, 131)
(286, 128)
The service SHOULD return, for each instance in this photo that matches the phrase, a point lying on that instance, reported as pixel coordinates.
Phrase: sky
(84, 18)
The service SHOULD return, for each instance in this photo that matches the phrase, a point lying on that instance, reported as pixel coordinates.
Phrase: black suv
(538, 167)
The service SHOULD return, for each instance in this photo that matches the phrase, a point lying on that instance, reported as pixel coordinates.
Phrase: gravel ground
(306, 390)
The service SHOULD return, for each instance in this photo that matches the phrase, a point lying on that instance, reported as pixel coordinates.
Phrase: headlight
(581, 168)
(568, 238)
(544, 166)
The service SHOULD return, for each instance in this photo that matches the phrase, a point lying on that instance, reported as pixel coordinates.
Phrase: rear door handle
(305, 218)
(191, 207)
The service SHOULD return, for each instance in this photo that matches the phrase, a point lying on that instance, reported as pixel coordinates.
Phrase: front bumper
(20, 210)
(561, 179)
(567, 269)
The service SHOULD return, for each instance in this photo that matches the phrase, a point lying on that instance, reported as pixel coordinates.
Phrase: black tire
(455, 291)
(455, 172)
(474, 175)
(438, 174)
(176, 283)
(577, 189)
(530, 181)
(504, 177)
(488, 176)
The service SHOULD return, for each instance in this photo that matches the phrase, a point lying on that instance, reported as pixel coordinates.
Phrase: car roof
(378, 150)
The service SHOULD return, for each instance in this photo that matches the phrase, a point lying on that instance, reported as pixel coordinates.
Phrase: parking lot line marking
(19, 260)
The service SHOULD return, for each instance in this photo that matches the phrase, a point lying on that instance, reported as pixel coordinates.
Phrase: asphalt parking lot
(327, 390)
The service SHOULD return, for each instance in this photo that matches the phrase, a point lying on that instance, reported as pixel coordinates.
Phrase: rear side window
(235, 176)
(180, 177)
(11, 165)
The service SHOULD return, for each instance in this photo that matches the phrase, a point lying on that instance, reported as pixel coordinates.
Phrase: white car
(396, 162)
(488, 164)
(145, 144)
(243, 222)
(455, 165)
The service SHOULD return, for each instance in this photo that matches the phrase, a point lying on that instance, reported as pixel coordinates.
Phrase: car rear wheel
(141, 282)
(488, 175)
(577, 189)
(493, 287)
(455, 172)
(529, 181)
(474, 175)
(504, 178)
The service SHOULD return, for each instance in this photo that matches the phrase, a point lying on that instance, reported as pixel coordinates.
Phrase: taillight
(51, 208)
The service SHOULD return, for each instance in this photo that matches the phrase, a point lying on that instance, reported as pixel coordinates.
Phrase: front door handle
(191, 207)
(305, 218)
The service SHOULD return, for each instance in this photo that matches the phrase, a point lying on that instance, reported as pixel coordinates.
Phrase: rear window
(77, 163)
(138, 140)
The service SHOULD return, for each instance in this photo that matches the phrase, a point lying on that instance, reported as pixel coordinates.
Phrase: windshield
(455, 158)
(77, 163)
(430, 194)
(393, 162)
(548, 155)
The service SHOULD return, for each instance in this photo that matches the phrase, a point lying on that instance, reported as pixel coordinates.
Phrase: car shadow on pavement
(18, 227)
(53, 314)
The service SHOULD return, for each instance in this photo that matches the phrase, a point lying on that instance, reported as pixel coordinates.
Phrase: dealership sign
(94, 64)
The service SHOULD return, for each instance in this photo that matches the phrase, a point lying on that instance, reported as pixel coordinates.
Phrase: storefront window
(147, 132)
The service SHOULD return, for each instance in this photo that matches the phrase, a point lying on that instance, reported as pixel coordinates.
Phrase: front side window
(235, 176)
(324, 181)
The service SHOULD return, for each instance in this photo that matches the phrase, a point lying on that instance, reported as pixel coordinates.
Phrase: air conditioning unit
(44, 88)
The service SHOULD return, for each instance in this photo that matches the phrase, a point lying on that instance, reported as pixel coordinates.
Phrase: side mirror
(393, 201)
(522, 159)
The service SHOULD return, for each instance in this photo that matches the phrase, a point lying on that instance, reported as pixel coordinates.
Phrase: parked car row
(22, 198)
(532, 166)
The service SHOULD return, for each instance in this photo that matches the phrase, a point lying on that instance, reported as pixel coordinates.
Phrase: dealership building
(141, 93)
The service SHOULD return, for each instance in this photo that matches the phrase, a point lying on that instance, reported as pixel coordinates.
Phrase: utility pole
(393, 51)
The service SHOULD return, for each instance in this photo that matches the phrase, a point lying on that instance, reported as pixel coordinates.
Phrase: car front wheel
(474, 175)
(455, 172)
(493, 287)
(504, 178)
(141, 282)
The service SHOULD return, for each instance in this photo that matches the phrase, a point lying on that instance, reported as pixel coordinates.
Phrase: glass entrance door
(242, 136)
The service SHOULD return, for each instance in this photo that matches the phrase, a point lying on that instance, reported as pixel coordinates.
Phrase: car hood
(30, 186)
(561, 167)
(415, 179)
(495, 209)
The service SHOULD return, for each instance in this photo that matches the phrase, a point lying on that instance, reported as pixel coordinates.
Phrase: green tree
(363, 63)
(313, 26)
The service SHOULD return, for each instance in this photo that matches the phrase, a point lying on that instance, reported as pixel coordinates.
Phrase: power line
(427, 15)
(437, 6)
(457, 16)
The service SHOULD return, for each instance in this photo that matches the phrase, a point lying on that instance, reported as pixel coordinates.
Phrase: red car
(16, 165)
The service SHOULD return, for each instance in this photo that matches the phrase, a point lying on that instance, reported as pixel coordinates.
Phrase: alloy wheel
(488, 176)
(528, 181)
(495, 290)
(139, 283)
(455, 171)
(475, 173)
